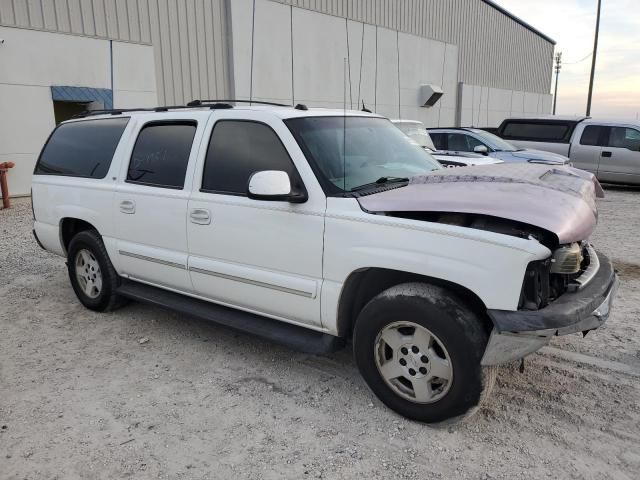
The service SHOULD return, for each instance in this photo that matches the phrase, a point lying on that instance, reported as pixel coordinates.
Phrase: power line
(579, 61)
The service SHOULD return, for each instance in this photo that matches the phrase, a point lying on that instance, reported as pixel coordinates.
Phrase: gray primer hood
(556, 198)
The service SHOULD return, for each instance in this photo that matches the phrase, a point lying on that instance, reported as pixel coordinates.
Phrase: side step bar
(292, 336)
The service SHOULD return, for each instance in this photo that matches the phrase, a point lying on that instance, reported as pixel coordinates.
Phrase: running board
(292, 336)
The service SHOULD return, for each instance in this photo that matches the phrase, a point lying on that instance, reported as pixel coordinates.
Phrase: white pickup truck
(610, 149)
(318, 228)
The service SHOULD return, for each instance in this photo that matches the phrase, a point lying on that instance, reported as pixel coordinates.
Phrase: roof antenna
(365, 109)
(344, 129)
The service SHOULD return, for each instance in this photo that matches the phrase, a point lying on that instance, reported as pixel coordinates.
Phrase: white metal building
(58, 56)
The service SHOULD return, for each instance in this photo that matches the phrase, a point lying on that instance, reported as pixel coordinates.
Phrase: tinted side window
(591, 135)
(622, 137)
(238, 149)
(81, 149)
(439, 140)
(544, 132)
(161, 154)
(462, 143)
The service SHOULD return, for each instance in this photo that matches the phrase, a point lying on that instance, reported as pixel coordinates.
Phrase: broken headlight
(567, 259)
(545, 280)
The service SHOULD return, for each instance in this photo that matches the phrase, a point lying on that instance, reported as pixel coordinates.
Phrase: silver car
(485, 143)
(417, 132)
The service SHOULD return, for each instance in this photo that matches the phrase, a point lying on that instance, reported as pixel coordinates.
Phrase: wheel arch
(69, 227)
(364, 284)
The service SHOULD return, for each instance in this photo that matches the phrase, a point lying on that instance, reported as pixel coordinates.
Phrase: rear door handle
(128, 206)
(606, 154)
(200, 216)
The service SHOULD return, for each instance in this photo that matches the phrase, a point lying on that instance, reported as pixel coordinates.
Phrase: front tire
(419, 347)
(92, 276)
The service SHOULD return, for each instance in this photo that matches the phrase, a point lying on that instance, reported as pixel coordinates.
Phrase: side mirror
(481, 149)
(273, 185)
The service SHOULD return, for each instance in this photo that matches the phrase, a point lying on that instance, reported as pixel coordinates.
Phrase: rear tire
(418, 347)
(92, 276)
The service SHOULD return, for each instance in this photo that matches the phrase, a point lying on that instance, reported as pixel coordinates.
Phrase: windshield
(494, 141)
(366, 148)
(417, 132)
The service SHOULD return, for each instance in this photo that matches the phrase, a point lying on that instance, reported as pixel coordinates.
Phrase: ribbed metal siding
(494, 49)
(189, 36)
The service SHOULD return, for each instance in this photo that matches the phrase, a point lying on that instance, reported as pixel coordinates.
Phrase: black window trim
(601, 139)
(238, 194)
(444, 136)
(153, 123)
(571, 126)
(79, 121)
(605, 134)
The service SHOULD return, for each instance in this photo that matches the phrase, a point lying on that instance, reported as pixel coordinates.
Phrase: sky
(571, 23)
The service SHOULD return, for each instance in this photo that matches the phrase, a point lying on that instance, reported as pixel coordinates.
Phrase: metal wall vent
(429, 95)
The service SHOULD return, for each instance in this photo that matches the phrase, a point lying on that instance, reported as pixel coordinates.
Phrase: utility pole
(593, 60)
(558, 67)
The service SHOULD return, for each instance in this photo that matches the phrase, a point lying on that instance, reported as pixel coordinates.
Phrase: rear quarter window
(81, 149)
(537, 131)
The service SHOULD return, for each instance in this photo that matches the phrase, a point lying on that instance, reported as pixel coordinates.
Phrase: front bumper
(519, 333)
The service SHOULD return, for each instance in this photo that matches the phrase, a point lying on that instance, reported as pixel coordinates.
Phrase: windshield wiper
(380, 181)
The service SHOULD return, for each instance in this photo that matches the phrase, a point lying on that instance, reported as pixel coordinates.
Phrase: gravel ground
(82, 397)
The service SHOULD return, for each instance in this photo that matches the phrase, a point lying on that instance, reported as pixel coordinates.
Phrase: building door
(63, 111)
(70, 100)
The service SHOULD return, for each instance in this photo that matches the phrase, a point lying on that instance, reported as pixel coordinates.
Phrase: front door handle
(128, 206)
(606, 154)
(200, 216)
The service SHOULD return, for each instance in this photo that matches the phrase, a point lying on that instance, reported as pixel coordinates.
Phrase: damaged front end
(569, 267)
(570, 291)
(576, 303)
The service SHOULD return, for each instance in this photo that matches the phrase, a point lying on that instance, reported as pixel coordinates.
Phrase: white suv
(316, 228)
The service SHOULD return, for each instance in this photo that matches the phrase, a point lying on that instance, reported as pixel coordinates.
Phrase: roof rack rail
(114, 111)
(212, 104)
(204, 103)
(120, 111)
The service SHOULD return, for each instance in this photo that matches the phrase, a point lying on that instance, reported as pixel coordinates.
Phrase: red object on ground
(3, 182)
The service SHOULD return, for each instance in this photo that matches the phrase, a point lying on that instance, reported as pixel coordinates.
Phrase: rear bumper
(519, 333)
(48, 237)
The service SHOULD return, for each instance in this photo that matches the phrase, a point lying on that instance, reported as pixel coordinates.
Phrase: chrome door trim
(153, 259)
(251, 282)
